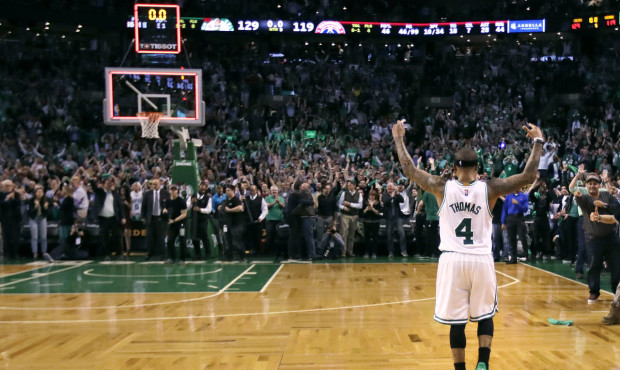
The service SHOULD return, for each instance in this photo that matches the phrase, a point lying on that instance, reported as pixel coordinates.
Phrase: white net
(150, 124)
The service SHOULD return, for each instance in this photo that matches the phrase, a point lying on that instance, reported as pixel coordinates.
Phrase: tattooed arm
(498, 187)
(433, 184)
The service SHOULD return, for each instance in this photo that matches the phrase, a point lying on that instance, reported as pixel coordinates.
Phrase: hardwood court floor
(308, 316)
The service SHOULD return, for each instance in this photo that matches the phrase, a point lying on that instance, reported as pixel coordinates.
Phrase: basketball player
(466, 283)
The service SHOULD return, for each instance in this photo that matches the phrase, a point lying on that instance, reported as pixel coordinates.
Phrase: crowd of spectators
(331, 130)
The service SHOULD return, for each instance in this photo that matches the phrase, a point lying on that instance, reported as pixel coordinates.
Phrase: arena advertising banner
(534, 25)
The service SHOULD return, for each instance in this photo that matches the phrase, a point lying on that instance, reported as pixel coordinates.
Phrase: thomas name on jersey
(465, 207)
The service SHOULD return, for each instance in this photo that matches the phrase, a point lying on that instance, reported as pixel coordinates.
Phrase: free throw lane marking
(91, 273)
(271, 279)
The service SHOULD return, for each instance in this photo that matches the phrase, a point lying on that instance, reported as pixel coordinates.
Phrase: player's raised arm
(430, 183)
(498, 187)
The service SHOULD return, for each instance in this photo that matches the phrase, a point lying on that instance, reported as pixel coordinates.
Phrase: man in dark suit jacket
(109, 210)
(10, 217)
(155, 217)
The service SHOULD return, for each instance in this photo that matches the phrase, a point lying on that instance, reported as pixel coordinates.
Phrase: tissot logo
(146, 46)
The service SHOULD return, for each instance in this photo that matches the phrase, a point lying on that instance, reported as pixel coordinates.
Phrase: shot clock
(157, 28)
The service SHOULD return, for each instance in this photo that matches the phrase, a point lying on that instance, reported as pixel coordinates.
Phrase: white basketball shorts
(466, 288)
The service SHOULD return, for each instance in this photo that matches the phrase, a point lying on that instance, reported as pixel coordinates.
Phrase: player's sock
(483, 355)
(459, 366)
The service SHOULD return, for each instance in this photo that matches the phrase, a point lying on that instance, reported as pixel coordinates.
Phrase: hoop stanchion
(150, 124)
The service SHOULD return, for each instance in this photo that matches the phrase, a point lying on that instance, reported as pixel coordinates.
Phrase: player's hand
(398, 130)
(533, 131)
(599, 204)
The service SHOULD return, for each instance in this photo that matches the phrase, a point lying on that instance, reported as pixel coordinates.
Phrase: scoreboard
(157, 28)
(601, 21)
(329, 27)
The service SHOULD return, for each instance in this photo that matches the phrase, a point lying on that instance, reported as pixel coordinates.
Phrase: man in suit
(201, 210)
(109, 210)
(391, 200)
(10, 217)
(256, 212)
(154, 215)
(293, 220)
(233, 224)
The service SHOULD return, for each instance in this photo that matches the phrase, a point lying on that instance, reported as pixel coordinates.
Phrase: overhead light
(306, 43)
(63, 36)
(279, 6)
(47, 28)
(47, 23)
(78, 30)
(346, 44)
(27, 28)
(344, 8)
(37, 34)
(468, 40)
(79, 26)
(398, 45)
(360, 45)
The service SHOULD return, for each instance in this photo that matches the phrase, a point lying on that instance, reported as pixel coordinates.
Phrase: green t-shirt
(275, 212)
(430, 206)
(510, 169)
(598, 162)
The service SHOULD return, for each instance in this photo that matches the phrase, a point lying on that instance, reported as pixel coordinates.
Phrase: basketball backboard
(177, 93)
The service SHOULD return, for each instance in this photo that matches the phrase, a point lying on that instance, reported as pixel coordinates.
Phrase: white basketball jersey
(465, 218)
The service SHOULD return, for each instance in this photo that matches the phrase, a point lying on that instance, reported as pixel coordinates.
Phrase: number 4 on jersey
(464, 231)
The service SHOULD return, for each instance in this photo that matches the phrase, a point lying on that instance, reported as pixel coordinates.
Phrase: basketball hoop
(150, 123)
